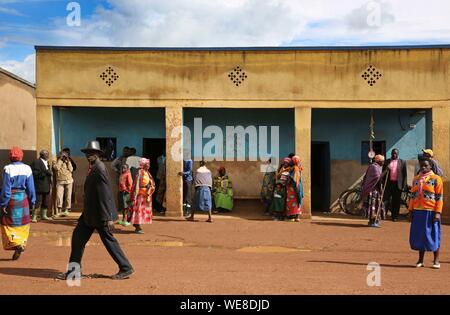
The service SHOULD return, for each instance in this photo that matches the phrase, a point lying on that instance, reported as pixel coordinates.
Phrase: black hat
(92, 146)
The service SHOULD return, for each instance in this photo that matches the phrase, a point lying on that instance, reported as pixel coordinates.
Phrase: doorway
(320, 176)
(152, 148)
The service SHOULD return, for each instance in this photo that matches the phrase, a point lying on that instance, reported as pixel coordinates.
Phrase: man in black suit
(42, 175)
(99, 214)
(396, 182)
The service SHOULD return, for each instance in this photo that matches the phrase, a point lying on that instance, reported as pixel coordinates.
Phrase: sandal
(18, 251)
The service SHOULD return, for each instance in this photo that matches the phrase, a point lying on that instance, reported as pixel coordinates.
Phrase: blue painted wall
(345, 129)
(128, 125)
(284, 118)
(55, 131)
(429, 124)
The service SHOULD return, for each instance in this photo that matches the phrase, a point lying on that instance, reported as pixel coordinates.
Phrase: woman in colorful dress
(284, 171)
(16, 199)
(294, 191)
(268, 186)
(143, 188)
(223, 191)
(371, 192)
(425, 208)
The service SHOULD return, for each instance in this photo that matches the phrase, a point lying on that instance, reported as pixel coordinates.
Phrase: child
(125, 186)
(278, 204)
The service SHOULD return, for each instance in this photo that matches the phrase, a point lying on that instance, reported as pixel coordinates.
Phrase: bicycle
(350, 200)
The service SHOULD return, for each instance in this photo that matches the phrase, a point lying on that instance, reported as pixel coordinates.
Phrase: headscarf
(371, 179)
(297, 169)
(287, 160)
(221, 169)
(379, 158)
(296, 176)
(428, 151)
(297, 162)
(143, 162)
(16, 154)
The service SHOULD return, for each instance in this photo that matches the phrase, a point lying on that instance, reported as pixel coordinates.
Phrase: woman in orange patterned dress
(143, 189)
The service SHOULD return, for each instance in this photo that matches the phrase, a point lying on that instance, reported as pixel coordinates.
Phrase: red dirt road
(233, 256)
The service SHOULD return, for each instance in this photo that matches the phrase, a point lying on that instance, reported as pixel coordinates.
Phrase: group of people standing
(24, 187)
(382, 187)
(383, 183)
(212, 195)
(282, 189)
(54, 176)
(136, 187)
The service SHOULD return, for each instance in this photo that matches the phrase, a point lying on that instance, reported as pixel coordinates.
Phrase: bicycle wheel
(351, 202)
(404, 197)
(341, 199)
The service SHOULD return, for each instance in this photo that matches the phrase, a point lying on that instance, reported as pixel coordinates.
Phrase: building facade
(318, 103)
(18, 116)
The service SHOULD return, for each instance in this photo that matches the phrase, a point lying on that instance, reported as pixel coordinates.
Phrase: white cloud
(401, 22)
(24, 68)
(257, 23)
(10, 11)
(187, 23)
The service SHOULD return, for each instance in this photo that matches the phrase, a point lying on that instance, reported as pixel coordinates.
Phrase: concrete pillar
(303, 149)
(174, 161)
(441, 150)
(44, 128)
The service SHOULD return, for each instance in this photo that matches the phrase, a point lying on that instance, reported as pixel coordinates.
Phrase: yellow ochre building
(320, 98)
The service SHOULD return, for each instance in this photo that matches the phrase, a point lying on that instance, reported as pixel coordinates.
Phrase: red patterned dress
(142, 198)
(292, 203)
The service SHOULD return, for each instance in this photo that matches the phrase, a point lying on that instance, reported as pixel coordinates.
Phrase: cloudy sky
(218, 23)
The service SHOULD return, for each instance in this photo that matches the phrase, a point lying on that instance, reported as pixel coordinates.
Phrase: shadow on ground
(358, 264)
(352, 225)
(30, 272)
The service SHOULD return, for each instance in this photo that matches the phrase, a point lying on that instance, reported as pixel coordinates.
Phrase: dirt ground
(233, 255)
